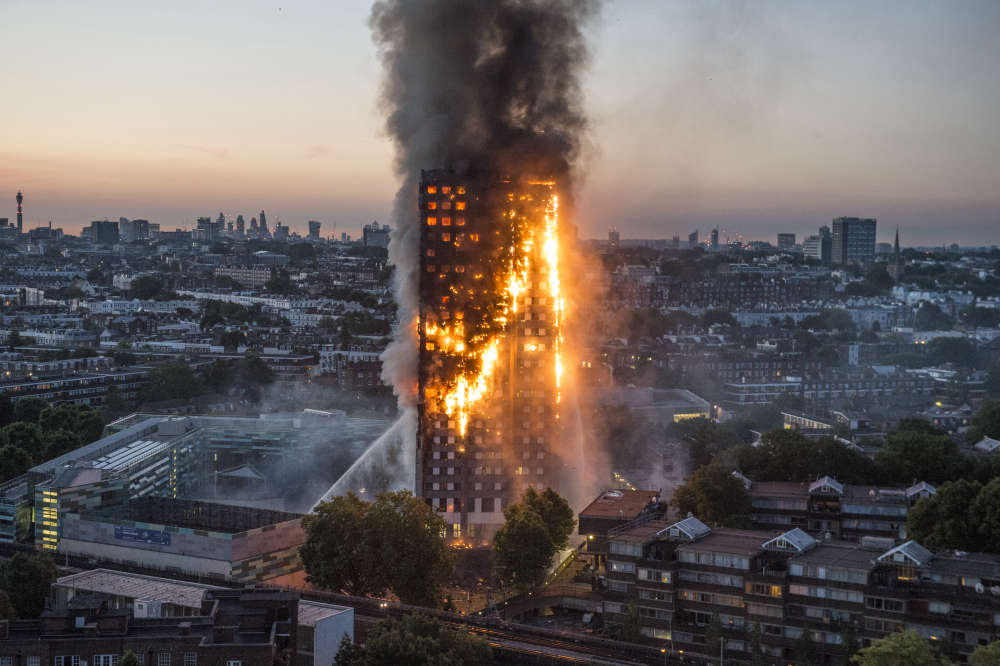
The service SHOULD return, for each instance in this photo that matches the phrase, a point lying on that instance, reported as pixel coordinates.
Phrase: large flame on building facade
(491, 341)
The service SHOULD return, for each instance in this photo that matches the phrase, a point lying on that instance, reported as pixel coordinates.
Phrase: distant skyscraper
(263, 225)
(614, 238)
(786, 241)
(314, 229)
(104, 232)
(375, 235)
(20, 213)
(254, 229)
(896, 267)
(221, 221)
(693, 239)
(240, 225)
(853, 240)
(715, 239)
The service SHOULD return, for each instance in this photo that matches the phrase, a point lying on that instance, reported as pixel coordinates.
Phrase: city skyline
(738, 117)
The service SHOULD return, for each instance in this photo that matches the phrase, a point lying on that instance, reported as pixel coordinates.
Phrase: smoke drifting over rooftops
(482, 85)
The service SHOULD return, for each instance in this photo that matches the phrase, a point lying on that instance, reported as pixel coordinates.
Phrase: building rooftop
(621, 504)
(736, 542)
(843, 554)
(178, 593)
(136, 586)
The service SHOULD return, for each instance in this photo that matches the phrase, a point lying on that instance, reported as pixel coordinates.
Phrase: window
(888, 605)
(620, 567)
(34, 660)
(6, 661)
(105, 660)
(162, 659)
(234, 662)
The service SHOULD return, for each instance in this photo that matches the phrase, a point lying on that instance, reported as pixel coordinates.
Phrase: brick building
(233, 627)
(686, 582)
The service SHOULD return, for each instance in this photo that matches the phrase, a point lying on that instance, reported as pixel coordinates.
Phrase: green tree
(903, 648)
(129, 659)
(629, 628)
(6, 411)
(27, 579)
(930, 317)
(59, 442)
(14, 461)
(943, 520)
(712, 317)
(6, 608)
(29, 409)
(984, 516)
(986, 421)
(417, 640)
(85, 422)
(146, 287)
(878, 278)
(714, 635)
(713, 495)
(171, 381)
(805, 649)
(986, 655)
(347, 539)
(555, 512)
(912, 456)
(523, 547)
(336, 555)
(404, 530)
(757, 654)
(25, 436)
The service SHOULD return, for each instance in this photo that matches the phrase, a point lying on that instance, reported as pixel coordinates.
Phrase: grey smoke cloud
(480, 85)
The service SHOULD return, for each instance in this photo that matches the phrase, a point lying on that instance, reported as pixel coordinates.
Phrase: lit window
(446, 189)
(445, 222)
(446, 237)
(461, 189)
(459, 221)
(459, 205)
(431, 189)
(432, 205)
(432, 221)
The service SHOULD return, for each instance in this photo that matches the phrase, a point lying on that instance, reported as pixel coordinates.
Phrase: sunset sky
(757, 117)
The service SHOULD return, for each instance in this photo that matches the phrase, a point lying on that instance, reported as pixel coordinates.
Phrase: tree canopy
(26, 579)
(903, 648)
(367, 548)
(963, 515)
(715, 496)
(537, 526)
(415, 640)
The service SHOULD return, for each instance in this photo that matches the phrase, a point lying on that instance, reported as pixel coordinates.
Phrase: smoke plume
(481, 85)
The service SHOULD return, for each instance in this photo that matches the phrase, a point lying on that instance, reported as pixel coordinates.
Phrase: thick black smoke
(477, 85)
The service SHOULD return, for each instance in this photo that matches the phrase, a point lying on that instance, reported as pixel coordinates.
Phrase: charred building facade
(490, 345)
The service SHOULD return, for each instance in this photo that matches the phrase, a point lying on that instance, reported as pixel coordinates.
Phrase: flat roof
(625, 504)
(643, 533)
(178, 593)
(138, 586)
(844, 554)
(736, 542)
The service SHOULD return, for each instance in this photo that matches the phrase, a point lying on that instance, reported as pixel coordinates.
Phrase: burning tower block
(491, 345)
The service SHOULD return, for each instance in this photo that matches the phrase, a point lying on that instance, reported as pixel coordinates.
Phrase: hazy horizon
(756, 118)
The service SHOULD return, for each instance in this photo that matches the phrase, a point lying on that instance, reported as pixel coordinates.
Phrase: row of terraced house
(788, 593)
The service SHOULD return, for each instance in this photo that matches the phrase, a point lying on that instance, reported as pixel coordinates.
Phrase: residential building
(686, 580)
